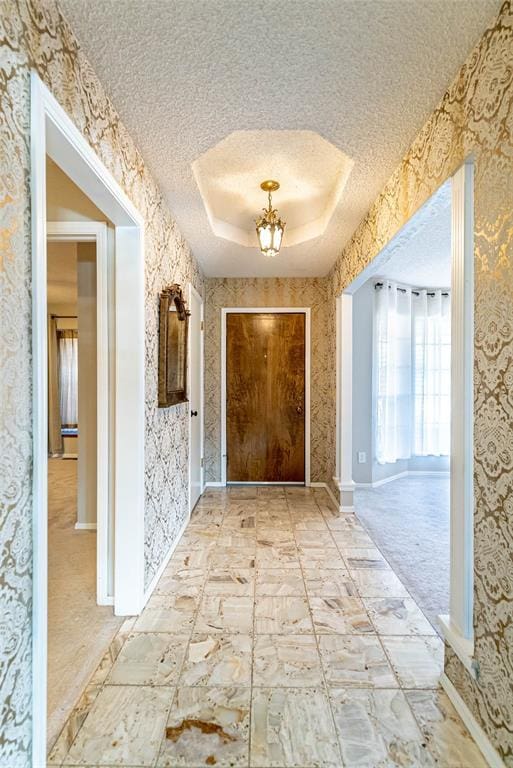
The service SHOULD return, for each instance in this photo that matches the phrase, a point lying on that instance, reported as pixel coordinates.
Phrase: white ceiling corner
(185, 76)
(420, 254)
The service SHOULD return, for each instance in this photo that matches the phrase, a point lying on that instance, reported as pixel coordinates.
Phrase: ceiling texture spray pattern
(420, 253)
(312, 174)
(363, 75)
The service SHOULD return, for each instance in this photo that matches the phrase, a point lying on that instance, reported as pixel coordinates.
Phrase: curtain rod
(415, 293)
(64, 317)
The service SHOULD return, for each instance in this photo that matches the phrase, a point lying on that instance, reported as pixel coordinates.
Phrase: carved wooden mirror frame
(172, 347)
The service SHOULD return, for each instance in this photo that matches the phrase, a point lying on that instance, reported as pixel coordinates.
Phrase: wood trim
(267, 310)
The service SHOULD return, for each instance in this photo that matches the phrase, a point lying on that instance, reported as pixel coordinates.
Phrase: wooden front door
(265, 397)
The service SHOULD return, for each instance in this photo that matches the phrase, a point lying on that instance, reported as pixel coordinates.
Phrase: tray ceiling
(186, 75)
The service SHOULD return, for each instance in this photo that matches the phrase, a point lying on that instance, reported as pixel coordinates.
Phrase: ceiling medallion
(269, 227)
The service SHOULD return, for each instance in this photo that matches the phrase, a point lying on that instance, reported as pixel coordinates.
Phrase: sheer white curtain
(55, 443)
(392, 368)
(68, 377)
(431, 335)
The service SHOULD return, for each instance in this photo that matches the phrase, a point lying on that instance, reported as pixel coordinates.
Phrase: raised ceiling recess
(312, 174)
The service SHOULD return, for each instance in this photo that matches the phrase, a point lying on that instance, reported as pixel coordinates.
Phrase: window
(431, 337)
(68, 379)
(412, 372)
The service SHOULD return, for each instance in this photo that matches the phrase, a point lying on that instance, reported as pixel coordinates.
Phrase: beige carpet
(409, 520)
(79, 631)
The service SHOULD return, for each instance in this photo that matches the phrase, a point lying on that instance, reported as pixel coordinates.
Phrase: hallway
(257, 648)
(78, 628)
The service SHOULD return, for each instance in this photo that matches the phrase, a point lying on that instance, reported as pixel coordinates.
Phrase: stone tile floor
(277, 636)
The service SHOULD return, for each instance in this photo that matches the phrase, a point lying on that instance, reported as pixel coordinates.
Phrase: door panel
(265, 397)
(195, 384)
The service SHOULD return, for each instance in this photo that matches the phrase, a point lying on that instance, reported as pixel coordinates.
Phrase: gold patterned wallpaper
(34, 35)
(475, 117)
(273, 292)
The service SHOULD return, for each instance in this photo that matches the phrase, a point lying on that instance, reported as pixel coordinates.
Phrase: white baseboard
(153, 583)
(69, 456)
(406, 473)
(429, 472)
(462, 647)
(215, 484)
(475, 730)
(85, 526)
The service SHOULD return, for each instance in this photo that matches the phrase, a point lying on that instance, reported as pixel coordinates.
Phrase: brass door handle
(299, 409)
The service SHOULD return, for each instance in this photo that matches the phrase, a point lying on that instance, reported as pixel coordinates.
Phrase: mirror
(173, 326)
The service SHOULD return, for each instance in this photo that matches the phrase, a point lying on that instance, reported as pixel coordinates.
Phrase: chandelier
(269, 227)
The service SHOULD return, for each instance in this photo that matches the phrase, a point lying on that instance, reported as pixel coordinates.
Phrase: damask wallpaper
(273, 292)
(475, 117)
(34, 35)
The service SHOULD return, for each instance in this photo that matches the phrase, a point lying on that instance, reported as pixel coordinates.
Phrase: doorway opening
(265, 395)
(404, 405)
(81, 622)
(54, 136)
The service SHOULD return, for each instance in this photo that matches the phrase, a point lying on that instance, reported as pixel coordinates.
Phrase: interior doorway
(419, 412)
(54, 135)
(265, 383)
(81, 623)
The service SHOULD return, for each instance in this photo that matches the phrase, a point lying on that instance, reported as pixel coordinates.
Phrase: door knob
(194, 413)
(299, 409)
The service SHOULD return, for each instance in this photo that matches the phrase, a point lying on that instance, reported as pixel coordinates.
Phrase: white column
(87, 382)
(458, 627)
(344, 478)
(462, 403)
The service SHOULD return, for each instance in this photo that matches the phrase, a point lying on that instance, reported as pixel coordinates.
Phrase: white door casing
(83, 232)
(53, 133)
(195, 386)
(266, 310)
(457, 627)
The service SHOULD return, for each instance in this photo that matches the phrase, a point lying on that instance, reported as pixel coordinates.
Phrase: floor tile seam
(377, 569)
(333, 722)
(251, 686)
(84, 691)
(369, 533)
(424, 739)
(411, 634)
(389, 660)
(179, 675)
(402, 688)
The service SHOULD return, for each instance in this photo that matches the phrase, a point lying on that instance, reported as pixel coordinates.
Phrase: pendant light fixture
(269, 227)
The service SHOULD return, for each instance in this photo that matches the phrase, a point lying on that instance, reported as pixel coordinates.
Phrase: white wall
(362, 381)
(363, 402)
(86, 313)
(66, 202)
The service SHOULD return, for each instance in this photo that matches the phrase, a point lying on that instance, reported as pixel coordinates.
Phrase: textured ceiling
(363, 74)
(420, 254)
(312, 174)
